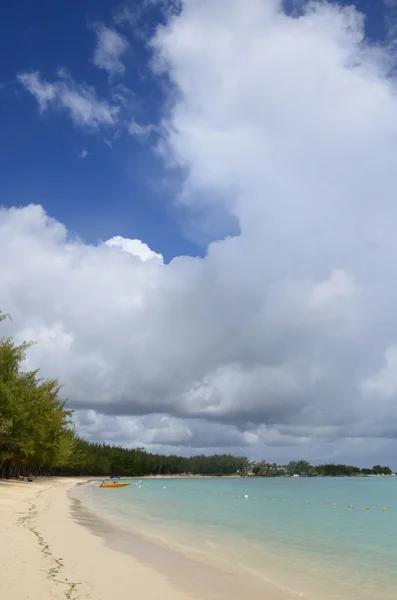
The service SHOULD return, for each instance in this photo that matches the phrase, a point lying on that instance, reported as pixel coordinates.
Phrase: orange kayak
(114, 485)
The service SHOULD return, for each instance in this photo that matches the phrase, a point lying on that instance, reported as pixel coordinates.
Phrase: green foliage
(100, 459)
(34, 424)
(266, 469)
(305, 469)
(300, 467)
(379, 470)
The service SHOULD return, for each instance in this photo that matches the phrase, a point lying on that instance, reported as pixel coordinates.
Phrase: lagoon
(320, 538)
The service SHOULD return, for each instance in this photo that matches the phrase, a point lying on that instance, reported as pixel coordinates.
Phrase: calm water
(298, 533)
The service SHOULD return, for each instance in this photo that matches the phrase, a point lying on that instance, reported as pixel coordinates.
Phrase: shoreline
(205, 575)
(69, 552)
(59, 557)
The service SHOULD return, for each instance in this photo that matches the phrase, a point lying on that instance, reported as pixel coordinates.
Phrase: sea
(311, 538)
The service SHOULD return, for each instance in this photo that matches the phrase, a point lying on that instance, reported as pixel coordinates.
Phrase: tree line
(101, 459)
(305, 469)
(37, 437)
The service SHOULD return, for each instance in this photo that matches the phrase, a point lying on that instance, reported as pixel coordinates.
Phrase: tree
(35, 431)
(379, 470)
(300, 467)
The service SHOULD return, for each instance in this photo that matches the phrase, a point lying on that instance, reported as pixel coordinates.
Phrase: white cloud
(140, 131)
(383, 385)
(134, 247)
(291, 124)
(78, 100)
(45, 93)
(83, 154)
(335, 295)
(83, 106)
(111, 46)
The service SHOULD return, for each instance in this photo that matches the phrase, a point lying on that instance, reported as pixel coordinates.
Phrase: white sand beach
(46, 554)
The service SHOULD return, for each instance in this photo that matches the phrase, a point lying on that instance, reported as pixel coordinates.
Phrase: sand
(46, 553)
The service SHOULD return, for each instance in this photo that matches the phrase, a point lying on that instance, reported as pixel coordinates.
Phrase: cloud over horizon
(282, 336)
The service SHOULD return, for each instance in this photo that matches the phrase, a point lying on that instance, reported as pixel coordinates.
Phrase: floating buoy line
(233, 496)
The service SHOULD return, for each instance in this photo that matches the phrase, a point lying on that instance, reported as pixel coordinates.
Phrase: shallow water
(298, 533)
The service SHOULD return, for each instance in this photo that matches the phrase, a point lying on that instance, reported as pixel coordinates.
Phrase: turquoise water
(302, 537)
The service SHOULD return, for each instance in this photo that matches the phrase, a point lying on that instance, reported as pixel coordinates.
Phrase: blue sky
(124, 190)
(235, 122)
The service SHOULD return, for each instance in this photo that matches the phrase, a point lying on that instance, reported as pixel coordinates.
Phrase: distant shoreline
(133, 477)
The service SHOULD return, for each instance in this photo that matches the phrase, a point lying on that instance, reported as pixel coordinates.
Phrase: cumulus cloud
(278, 335)
(134, 247)
(111, 46)
(79, 100)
